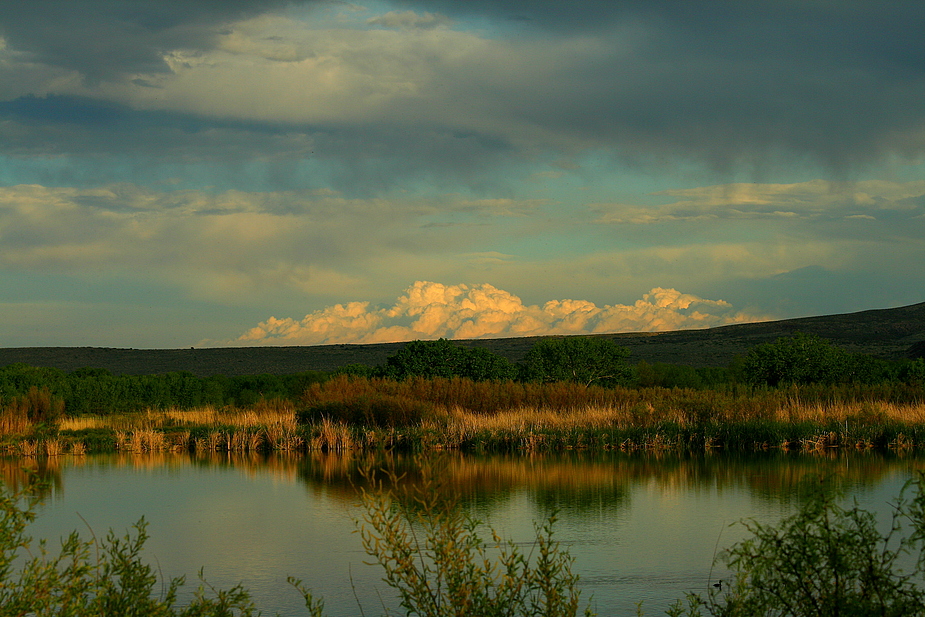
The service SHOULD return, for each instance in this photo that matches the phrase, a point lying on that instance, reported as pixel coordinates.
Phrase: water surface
(641, 528)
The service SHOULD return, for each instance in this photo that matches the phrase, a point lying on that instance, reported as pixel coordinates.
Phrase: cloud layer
(430, 310)
(732, 85)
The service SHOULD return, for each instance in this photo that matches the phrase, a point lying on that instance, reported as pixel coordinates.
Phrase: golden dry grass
(867, 411)
(332, 437)
(276, 429)
(201, 416)
(231, 430)
(527, 417)
(597, 417)
(14, 421)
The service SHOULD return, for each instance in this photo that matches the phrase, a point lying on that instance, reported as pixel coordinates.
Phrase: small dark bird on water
(718, 585)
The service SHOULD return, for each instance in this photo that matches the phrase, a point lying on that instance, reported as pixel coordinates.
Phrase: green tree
(798, 359)
(480, 364)
(583, 359)
(441, 358)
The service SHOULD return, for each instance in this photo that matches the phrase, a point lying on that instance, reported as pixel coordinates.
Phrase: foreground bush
(93, 578)
(825, 561)
(439, 565)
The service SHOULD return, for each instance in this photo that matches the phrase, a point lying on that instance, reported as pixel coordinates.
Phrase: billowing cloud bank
(430, 310)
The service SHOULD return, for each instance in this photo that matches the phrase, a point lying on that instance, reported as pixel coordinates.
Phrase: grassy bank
(358, 413)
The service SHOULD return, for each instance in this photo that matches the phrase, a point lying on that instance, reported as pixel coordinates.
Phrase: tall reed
(331, 436)
(14, 420)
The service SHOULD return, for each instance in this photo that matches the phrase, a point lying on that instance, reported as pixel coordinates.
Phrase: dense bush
(357, 369)
(913, 373)
(663, 375)
(474, 396)
(37, 405)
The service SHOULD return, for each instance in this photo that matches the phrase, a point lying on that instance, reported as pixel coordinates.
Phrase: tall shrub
(913, 372)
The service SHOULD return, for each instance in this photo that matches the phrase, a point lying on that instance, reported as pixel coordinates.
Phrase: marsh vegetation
(578, 393)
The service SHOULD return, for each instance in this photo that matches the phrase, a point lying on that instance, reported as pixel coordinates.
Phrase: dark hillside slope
(886, 333)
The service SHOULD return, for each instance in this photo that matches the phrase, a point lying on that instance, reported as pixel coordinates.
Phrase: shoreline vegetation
(574, 393)
(358, 413)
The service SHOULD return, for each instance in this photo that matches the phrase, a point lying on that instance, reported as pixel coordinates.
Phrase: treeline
(801, 359)
(42, 394)
(45, 393)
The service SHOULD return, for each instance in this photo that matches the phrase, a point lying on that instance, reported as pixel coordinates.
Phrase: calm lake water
(641, 528)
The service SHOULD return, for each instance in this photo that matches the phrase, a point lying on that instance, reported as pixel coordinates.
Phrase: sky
(243, 172)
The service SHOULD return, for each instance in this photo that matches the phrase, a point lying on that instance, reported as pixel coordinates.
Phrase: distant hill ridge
(887, 333)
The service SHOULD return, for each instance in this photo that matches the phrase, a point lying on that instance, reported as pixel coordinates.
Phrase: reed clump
(329, 436)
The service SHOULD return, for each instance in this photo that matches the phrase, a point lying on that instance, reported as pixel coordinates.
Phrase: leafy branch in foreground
(825, 561)
(435, 559)
(90, 577)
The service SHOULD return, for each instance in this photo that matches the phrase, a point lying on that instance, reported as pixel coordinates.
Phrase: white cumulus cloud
(429, 310)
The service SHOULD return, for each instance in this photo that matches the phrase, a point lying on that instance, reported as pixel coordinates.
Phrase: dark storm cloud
(103, 39)
(62, 110)
(721, 82)
(840, 81)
